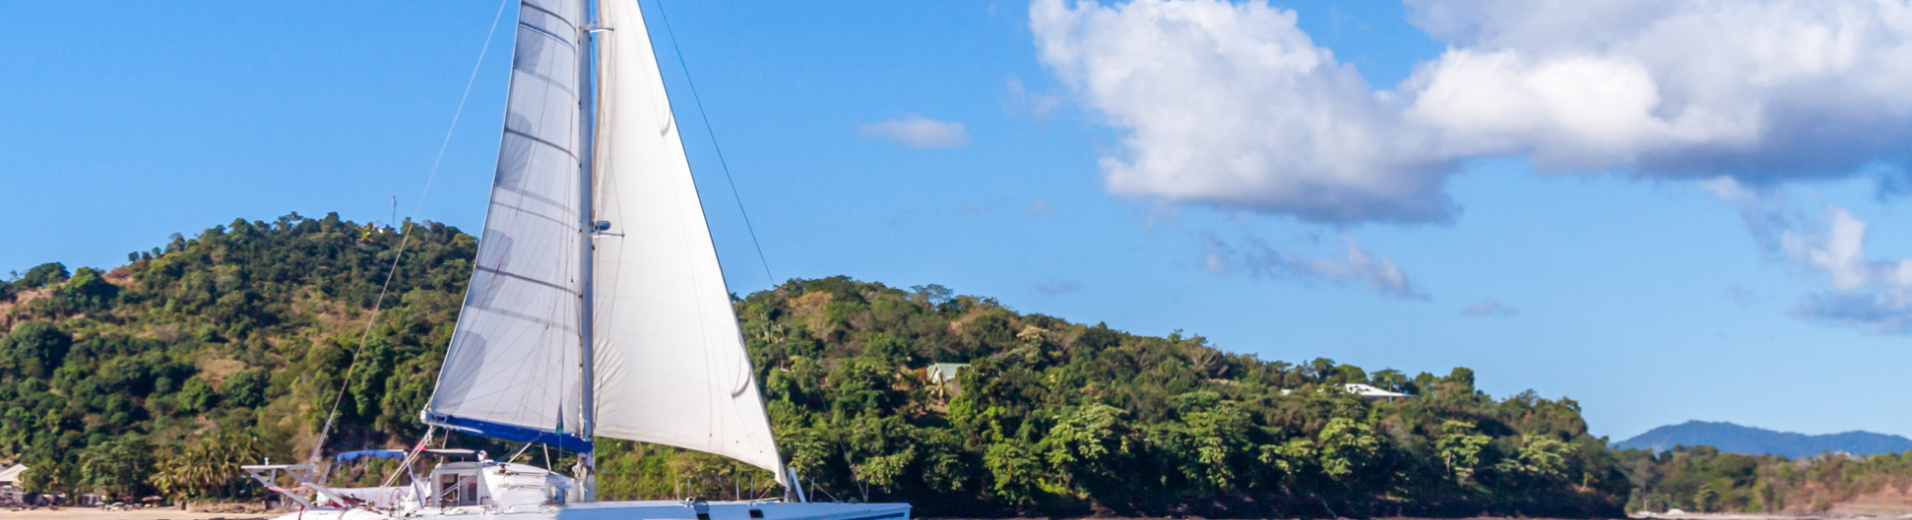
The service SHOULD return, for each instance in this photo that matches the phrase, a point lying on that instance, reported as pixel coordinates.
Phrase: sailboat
(596, 308)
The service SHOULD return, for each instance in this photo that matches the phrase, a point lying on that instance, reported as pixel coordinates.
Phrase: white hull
(596, 307)
(638, 510)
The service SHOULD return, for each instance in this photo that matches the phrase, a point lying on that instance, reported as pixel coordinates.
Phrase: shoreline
(151, 513)
(168, 513)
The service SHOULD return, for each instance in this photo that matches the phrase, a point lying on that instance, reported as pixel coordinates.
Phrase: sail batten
(512, 370)
(666, 361)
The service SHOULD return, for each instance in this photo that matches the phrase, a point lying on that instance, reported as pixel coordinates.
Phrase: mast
(587, 224)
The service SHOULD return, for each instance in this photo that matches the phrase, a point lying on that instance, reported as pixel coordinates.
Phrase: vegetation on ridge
(1704, 479)
(163, 375)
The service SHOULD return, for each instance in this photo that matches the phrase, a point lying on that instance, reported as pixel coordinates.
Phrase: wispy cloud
(1056, 288)
(917, 132)
(1489, 308)
(1874, 295)
(1039, 208)
(1232, 105)
(1020, 101)
(1255, 257)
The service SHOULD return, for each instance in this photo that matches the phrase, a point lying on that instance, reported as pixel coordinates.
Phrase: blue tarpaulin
(385, 454)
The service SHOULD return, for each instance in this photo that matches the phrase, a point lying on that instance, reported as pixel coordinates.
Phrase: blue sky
(1688, 258)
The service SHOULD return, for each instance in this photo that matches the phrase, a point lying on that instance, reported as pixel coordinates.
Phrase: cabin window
(457, 490)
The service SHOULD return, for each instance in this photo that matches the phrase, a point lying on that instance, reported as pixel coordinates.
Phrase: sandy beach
(82, 513)
(89, 513)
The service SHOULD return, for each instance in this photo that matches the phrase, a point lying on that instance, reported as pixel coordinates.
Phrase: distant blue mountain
(1734, 438)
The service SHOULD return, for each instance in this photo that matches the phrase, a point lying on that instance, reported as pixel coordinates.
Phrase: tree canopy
(165, 374)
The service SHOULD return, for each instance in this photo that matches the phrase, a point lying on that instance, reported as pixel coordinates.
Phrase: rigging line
(406, 466)
(406, 233)
(713, 140)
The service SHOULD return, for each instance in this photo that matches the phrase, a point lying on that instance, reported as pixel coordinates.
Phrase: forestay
(670, 360)
(513, 368)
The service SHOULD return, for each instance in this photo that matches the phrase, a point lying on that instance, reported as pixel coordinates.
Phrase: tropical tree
(1460, 448)
(207, 467)
(118, 468)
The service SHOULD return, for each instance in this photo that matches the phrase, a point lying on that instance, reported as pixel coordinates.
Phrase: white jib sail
(513, 368)
(670, 360)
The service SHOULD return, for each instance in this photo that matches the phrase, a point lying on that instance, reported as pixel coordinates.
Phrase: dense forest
(1708, 480)
(161, 376)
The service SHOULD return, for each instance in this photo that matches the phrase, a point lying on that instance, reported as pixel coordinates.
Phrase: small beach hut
(11, 494)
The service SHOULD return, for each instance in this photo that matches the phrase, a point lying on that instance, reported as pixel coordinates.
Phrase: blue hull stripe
(511, 433)
(881, 517)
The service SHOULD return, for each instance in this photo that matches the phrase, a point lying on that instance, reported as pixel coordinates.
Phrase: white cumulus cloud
(1760, 90)
(916, 131)
(1231, 105)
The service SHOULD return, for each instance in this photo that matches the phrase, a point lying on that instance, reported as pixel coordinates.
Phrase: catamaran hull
(734, 511)
(641, 510)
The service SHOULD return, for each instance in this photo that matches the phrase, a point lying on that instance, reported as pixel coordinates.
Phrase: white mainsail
(513, 370)
(670, 360)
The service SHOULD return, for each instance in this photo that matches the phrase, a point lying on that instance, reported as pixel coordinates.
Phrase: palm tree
(207, 467)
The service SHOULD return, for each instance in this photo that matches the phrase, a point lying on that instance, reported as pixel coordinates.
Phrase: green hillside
(161, 376)
(1703, 478)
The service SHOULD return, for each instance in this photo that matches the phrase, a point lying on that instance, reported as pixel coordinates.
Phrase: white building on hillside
(1368, 392)
(1371, 393)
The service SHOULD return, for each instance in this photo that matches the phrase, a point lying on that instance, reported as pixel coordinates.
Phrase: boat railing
(303, 476)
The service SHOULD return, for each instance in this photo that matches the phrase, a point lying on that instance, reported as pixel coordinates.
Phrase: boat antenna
(679, 50)
(404, 239)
